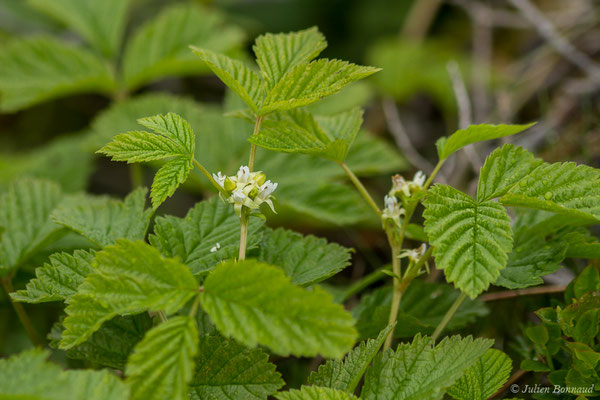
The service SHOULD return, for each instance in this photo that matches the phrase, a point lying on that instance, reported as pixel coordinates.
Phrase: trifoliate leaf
(34, 70)
(475, 133)
(423, 306)
(309, 82)
(503, 169)
(162, 364)
(102, 220)
(29, 376)
(57, 280)
(110, 345)
(472, 239)
(148, 56)
(277, 54)
(227, 370)
(298, 131)
(191, 238)
(564, 188)
(255, 303)
(305, 259)
(101, 23)
(421, 370)
(24, 214)
(532, 257)
(315, 393)
(238, 77)
(346, 374)
(483, 378)
(174, 139)
(129, 277)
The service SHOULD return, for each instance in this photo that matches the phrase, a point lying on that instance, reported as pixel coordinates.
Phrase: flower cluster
(400, 193)
(247, 189)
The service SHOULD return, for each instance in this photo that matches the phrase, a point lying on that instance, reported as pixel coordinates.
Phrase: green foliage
(346, 374)
(315, 393)
(227, 370)
(286, 318)
(174, 139)
(103, 220)
(59, 279)
(38, 69)
(29, 376)
(101, 23)
(422, 308)
(148, 56)
(306, 260)
(129, 277)
(421, 370)
(192, 238)
(472, 239)
(24, 215)
(475, 133)
(483, 378)
(161, 365)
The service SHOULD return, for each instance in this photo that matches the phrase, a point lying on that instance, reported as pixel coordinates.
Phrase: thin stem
(437, 168)
(194, 308)
(397, 295)
(163, 316)
(365, 282)
(22, 314)
(361, 188)
(243, 234)
(137, 175)
(253, 146)
(448, 317)
(509, 294)
(209, 176)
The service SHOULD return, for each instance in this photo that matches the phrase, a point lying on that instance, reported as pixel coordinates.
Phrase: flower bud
(229, 184)
(260, 178)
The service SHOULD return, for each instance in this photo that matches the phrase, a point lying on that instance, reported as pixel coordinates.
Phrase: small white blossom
(419, 179)
(246, 189)
(414, 254)
(215, 248)
(220, 179)
(238, 196)
(392, 210)
(243, 175)
(265, 190)
(400, 185)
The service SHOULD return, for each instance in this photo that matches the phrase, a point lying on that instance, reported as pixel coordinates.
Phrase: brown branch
(509, 294)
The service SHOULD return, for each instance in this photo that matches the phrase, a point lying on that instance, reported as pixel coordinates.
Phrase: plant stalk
(253, 146)
(243, 234)
(435, 171)
(22, 314)
(448, 317)
(361, 188)
(137, 175)
(397, 295)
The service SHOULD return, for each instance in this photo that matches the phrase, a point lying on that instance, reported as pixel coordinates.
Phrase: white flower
(220, 179)
(400, 185)
(392, 210)
(265, 190)
(215, 247)
(419, 179)
(238, 196)
(243, 175)
(414, 254)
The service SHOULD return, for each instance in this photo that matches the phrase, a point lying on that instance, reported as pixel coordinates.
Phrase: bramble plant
(195, 307)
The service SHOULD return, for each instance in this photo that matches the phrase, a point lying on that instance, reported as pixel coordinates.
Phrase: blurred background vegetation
(65, 89)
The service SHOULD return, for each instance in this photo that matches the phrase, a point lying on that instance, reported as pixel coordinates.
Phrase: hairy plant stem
(397, 294)
(137, 175)
(448, 317)
(259, 121)
(435, 171)
(22, 314)
(243, 233)
(365, 282)
(209, 176)
(361, 188)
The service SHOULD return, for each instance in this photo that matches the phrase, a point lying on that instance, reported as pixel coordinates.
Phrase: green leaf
(161, 365)
(532, 257)
(420, 370)
(192, 238)
(309, 82)
(504, 168)
(472, 239)
(346, 374)
(174, 139)
(149, 56)
(34, 70)
(236, 75)
(315, 393)
(277, 54)
(110, 345)
(101, 23)
(227, 370)
(306, 260)
(129, 277)
(473, 134)
(29, 376)
(102, 220)
(536, 366)
(57, 280)
(538, 334)
(587, 281)
(24, 214)
(564, 188)
(483, 378)
(423, 306)
(300, 132)
(255, 303)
